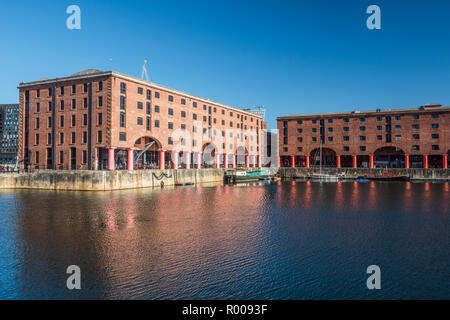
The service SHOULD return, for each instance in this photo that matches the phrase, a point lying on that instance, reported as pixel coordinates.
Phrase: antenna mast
(144, 71)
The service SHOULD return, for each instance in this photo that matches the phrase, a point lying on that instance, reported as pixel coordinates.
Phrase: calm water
(283, 241)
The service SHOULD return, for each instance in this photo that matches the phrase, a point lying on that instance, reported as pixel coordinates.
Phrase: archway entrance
(389, 157)
(241, 152)
(146, 154)
(328, 157)
(209, 151)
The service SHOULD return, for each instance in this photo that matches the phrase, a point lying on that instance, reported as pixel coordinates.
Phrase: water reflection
(273, 241)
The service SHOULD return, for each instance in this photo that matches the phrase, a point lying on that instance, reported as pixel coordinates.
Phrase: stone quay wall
(108, 180)
(414, 173)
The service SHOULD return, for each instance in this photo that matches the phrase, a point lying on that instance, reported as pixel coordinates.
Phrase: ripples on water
(291, 240)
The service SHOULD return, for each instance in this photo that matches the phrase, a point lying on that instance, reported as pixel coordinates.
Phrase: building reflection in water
(199, 242)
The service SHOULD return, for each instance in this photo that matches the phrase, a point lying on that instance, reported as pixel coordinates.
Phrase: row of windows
(434, 136)
(72, 140)
(379, 119)
(379, 128)
(73, 121)
(73, 89)
(61, 156)
(62, 105)
(182, 101)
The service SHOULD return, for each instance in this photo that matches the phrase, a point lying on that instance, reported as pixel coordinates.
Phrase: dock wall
(107, 180)
(415, 173)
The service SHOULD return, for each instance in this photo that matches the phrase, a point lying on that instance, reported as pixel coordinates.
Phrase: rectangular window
(379, 138)
(398, 127)
(156, 95)
(183, 114)
(434, 126)
(330, 139)
(100, 101)
(100, 119)
(415, 127)
(147, 124)
(50, 106)
(416, 137)
(398, 137)
(379, 128)
(362, 128)
(362, 148)
(99, 136)
(38, 93)
(73, 120)
(194, 116)
(415, 148)
(62, 105)
(170, 125)
(435, 147)
(74, 89)
(49, 122)
(122, 119)
(84, 137)
(299, 122)
(435, 136)
(397, 118)
(379, 118)
(140, 121)
(84, 160)
(74, 104)
(85, 119)
(85, 100)
(122, 102)
(100, 86)
(415, 117)
(170, 140)
(330, 120)
(346, 120)
(330, 129)
(170, 98)
(157, 109)
(149, 94)
(362, 138)
(140, 90)
(37, 156)
(434, 116)
(50, 92)
(61, 121)
(156, 123)
(37, 123)
(170, 111)
(147, 108)
(61, 157)
(299, 130)
(36, 139)
(38, 107)
(61, 138)
(73, 137)
(123, 87)
(183, 101)
(346, 148)
(140, 105)
(362, 119)
(49, 138)
(346, 129)
(85, 86)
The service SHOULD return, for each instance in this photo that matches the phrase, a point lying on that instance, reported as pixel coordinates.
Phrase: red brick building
(403, 138)
(107, 120)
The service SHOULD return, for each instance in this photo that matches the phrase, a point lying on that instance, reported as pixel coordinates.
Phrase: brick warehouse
(107, 120)
(405, 138)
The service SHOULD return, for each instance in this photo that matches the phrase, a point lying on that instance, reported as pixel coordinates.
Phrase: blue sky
(289, 56)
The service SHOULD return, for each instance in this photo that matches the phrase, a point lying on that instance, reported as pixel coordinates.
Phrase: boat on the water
(323, 177)
(244, 176)
(386, 177)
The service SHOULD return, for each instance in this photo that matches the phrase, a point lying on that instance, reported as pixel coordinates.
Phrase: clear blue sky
(290, 56)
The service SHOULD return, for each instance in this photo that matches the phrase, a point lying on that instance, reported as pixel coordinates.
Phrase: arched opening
(146, 153)
(209, 152)
(241, 152)
(328, 157)
(389, 157)
(435, 161)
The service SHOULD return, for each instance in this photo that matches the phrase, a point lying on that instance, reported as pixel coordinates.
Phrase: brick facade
(108, 113)
(402, 137)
